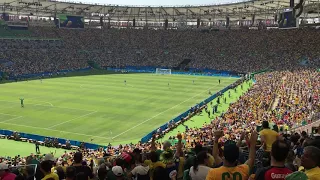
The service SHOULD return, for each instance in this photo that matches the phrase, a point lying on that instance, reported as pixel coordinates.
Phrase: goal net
(163, 71)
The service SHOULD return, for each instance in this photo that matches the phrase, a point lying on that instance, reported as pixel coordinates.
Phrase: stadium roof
(262, 9)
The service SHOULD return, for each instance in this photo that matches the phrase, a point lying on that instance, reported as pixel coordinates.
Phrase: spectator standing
(140, 171)
(45, 167)
(200, 169)
(230, 167)
(48, 157)
(267, 136)
(277, 170)
(70, 173)
(310, 160)
(5, 174)
(77, 164)
(118, 172)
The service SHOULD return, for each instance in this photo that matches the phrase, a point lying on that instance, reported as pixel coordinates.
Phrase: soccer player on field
(219, 81)
(21, 101)
(125, 82)
(168, 84)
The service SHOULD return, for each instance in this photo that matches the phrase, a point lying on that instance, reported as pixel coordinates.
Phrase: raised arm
(243, 134)
(179, 152)
(252, 151)
(215, 152)
(153, 144)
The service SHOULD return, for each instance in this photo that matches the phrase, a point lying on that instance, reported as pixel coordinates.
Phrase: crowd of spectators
(219, 50)
(227, 146)
(251, 140)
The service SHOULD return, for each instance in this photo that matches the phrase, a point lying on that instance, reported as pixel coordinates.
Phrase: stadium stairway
(94, 65)
(183, 64)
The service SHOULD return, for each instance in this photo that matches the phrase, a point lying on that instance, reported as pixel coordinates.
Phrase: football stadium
(170, 90)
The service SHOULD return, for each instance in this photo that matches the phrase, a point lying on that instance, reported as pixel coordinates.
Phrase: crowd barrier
(41, 138)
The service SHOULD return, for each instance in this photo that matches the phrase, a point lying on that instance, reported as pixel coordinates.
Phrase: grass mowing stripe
(71, 120)
(158, 114)
(45, 105)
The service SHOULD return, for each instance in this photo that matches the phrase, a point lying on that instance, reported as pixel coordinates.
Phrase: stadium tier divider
(46, 74)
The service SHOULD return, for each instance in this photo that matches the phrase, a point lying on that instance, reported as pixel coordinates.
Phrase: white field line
(11, 119)
(44, 103)
(159, 114)
(47, 105)
(72, 120)
(9, 114)
(47, 129)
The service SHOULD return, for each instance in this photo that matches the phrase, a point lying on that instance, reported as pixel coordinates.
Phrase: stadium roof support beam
(167, 14)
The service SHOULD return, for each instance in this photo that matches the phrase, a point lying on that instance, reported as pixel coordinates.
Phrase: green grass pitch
(102, 108)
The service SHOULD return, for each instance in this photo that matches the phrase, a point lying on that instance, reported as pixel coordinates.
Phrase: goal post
(163, 71)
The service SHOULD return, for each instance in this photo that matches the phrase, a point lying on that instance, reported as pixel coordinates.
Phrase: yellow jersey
(240, 172)
(51, 176)
(313, 174)
(270, 136)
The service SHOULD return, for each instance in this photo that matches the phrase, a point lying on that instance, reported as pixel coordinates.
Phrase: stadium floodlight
(163, 71)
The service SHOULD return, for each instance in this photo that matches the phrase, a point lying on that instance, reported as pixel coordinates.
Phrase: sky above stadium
(156, 2)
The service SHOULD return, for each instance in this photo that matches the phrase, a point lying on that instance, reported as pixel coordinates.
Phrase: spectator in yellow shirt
(268, 136)
(230, 168)
(310, 160)
(45, 167)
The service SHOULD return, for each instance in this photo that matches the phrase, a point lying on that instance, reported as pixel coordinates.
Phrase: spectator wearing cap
(310, 160)
(45, 167)
(277, 170)
(230, 168)
(112, 174)
(48, 157)
(118, 172)
(80, 167)
(5, 174)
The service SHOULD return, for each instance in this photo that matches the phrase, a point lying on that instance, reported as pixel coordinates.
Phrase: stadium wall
(191, 71)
